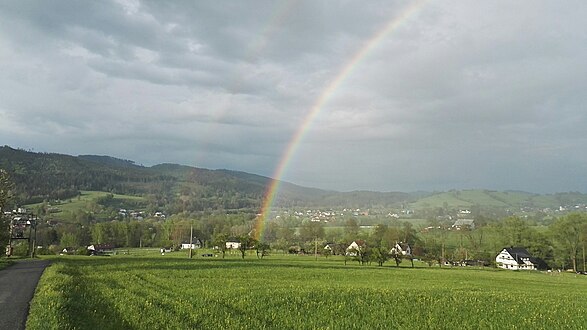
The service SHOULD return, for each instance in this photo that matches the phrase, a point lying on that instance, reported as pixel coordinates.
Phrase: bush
(20, 249)
(54, 249)
(43, 251)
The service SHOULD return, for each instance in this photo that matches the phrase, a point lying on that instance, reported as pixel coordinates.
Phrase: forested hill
(47, 176)
(178, 188)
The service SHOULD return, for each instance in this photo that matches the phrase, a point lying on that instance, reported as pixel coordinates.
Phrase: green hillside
(459, 199)
(100, 204)
(176, 188)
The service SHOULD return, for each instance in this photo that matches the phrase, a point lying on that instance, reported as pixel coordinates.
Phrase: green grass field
(145, 290)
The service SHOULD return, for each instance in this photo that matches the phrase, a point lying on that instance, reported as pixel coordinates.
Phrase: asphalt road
(17, 287)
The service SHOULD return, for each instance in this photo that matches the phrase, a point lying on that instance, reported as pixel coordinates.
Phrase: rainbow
(343, 74)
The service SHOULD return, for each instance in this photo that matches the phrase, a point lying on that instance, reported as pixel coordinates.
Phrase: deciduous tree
(567, 231)
(262, 249)
(6, 187)
(219, 243)
(246, 242)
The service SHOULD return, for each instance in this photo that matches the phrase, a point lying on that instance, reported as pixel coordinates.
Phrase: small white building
(233, 245)
(516, 258)
(196, 244)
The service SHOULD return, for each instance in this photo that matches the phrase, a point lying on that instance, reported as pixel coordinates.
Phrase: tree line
(560, 244)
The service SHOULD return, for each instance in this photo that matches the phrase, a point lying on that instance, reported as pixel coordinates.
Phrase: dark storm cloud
(463, 95)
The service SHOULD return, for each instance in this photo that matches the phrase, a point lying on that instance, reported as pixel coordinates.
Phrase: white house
(355, 246)
(101, 249)
(516, 258)
(196, 244)
(401, 248)
(233, 245)
(330, 247)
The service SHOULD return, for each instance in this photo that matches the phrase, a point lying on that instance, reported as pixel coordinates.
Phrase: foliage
(380, 255)
(219, 243)
(568, 232)
(246, 243)
(262, 249)
(310, 231)
(6, 187)
(69, 240)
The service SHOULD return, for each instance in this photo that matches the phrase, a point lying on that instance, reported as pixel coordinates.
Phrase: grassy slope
(485, 198)
(73, 205)
(296, 292)
(439, 200)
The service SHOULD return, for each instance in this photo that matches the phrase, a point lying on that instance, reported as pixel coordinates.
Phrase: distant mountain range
(50, 176)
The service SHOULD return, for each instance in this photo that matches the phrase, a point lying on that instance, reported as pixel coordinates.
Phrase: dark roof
(103, 246)
(195, 240)
(519, 253)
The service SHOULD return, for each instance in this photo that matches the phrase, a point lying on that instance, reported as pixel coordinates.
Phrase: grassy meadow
(66, 209)
(144, 290)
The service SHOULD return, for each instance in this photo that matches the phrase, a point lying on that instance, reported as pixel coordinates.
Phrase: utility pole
(442, 252)
(316, 248)
(191, 238)
(34, 238)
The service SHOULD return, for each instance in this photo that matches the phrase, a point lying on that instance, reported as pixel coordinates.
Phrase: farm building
(101, 249)
(518, 258)
(401, 248)
(233, 244)
(355, 246)
(463, 224)
(67, 250)
(196, 244)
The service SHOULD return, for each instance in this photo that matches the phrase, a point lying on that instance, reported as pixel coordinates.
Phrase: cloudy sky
(457, 95)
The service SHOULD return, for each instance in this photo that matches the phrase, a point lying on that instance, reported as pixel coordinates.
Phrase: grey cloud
(467, 95)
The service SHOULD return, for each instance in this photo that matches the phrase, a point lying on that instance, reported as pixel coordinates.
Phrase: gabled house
(196, 244)
(334, 248)
(330, 247)
(463, 224)
(355, 246)
(403, 249)
(518, 258)
(101, 249)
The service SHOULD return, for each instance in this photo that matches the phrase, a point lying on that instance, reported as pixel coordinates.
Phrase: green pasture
(145, 290)
(492, 199)
(86, 202)
(441, 200)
